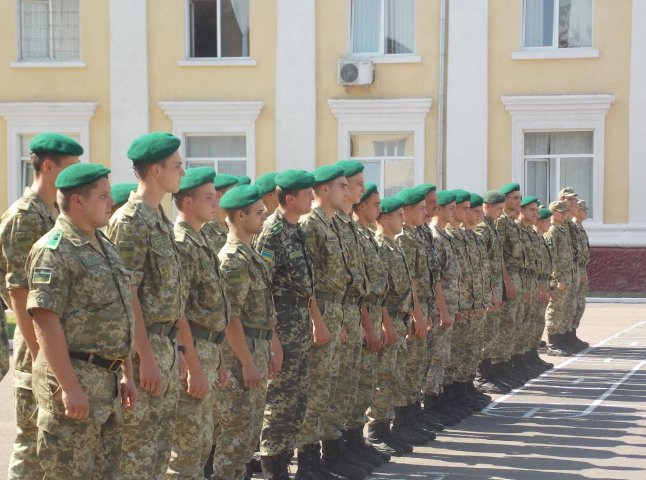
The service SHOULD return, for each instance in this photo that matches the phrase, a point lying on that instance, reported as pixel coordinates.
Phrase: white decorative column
(296, 84)
(467, 96)
(637, 122)
(128, 81)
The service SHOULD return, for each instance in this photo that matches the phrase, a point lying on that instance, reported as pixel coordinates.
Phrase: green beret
(266, 183)
(244, 180)
(80, 174)
(370, 189)
(153, 147)
(240, 196)
(196, 177)
(224, 180)
(476, 200)
(327, 173)
(544, 213)
(350, 167)
(390, 204)
(293, 180)
(493, 197)
(507, 188)
(411, 196)
(462, 196)
(121, 191)
(426, 188)
(55, 143)
(529, 200)
(444, 197)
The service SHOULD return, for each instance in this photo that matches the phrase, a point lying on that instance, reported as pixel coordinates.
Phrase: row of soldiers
(152, 350)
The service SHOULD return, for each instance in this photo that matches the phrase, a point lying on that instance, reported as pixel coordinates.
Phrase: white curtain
(537, 179)
(558, 143)
(366, 26)
(577, 173)
(575, 23)
(539, 23)
(216, 146)
(34, 29)
(65, 23)
(400, 26)
(241, 11)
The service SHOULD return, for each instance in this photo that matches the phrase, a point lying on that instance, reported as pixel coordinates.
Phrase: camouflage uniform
(545, 270)
(4, 344)
(347, 387)
(391, 360)
(22, 224)
(513, 249)
(524, 320)
(239, 411)
(146, 243)
(282, 245)
(416, 347)
(489, 235)
(206, 313)
(441, 342)
(216, 233)
(535, 308)
(560, 308)
(332, 278)
(86, 284)
(377, 284)
(572, 234)
(583, 258)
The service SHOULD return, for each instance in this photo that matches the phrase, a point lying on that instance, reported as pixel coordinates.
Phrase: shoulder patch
(231, 249)
(267, 255)
(233, 277)
(126, 248)
(54, 239)
(277, 227)
(129, 209)
(41, 275)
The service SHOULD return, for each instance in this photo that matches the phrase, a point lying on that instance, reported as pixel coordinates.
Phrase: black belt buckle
(115, 365)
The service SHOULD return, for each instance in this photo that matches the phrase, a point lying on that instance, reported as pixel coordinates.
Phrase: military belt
(261, 333)
(163, 329)
(292, 301)
(206, 334)
(110, 365)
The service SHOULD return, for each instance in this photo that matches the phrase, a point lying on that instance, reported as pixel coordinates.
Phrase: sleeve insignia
(41, 275)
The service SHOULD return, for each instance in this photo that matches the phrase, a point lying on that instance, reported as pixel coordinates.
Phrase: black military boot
(496, 375)
(273, 467)
(531, 364)
(520, 369)
(542, 363)
(447, 408)
(483, 381)
(425, 419)
(579, 341)
(333, 461)
(459, 400)
(384, 457)
(466, 399)
(402, 429)
(354, 444)
(477, 394)
(555, 346)
(307, 461)
(379, 438)
(415, 424)
(352, 459)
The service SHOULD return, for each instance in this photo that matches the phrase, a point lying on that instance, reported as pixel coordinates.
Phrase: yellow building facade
(462, 93)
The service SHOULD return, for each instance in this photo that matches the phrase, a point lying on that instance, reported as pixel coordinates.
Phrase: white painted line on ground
(531, 413)
(578, 380)
(633, 344)
(607, 360)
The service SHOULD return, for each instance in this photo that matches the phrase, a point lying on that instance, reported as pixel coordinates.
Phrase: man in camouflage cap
(545, 256)
(28, 219)
(201, 328)
(253, 352)
(146, 243)
(583, 261)
(79, 300)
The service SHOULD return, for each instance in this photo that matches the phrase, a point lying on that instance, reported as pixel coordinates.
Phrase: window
(49, 30)
(224, 153)
(218, 28)
(389, 160)
(558, 24)
(554, 160)
(383, 27)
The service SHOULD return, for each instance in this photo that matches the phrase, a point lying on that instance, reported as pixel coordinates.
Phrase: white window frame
(216, 118)
(386, 116)
(24, 118)
(554, 51)
(215, 160)
(558, 113)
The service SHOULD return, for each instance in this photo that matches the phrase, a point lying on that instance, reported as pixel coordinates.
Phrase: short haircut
(231, 212)
(179, 197)
(84, 191)
(282, 195)
(37, 160)
(141, 169)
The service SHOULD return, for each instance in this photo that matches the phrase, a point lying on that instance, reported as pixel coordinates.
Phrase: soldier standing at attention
(201, 328)
(545, 256)
(120, 193)
(583, 259)
(282, 245)
(216, 230)
(146, 243)
(79, 299)
(267, 185)
(28, 219)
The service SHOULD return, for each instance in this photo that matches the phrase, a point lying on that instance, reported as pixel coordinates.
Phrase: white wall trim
(48, 64)
(616, 235)
(637, 116)
(200, 117)
(467, 100)
(388, 115)
(129, 104)
(554, 53)
(218, 62)
(561, 112)
(36, 117)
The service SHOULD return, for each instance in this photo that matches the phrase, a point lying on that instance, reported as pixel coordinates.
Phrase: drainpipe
(441, 104)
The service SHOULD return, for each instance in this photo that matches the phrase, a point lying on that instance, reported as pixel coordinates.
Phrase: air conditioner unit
(356, 72)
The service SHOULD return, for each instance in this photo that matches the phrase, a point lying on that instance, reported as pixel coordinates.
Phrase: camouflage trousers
(4, 345)
(473, 346)
(416, 363)
(193, 435)
(513, 309)
(582, 293)
(239, 413)
(440, 355)
(24, 461)
(560, 310)
(344, 391)
(539, 323)
(148, 430)
(78, 450)
(525, 315)
(459, 340)
(287, 392)
(389, 369)
(367, 376)
(323, 374)
(490, 333)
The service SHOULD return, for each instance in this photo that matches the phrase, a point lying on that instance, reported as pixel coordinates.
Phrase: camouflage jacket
(216, 234)
(399, 294)
(562, 258)
(531, 262)
(425, 236)
(448, 259)
(487, 230)
(572, 234)
(457, 237)
(510, 237)
(376, 266)
(583, 247)
(545, 254)
(349, 232)
(481, 273)
(418, 262)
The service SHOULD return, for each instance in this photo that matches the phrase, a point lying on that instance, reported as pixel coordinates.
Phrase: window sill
(555, 54)
(217, 62)
(46, 64)
(389, 58)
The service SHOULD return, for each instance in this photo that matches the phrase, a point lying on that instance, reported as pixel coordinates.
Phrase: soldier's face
(431, 203)
(542, 226)
(56, 168)
(97, 205)
(530, 212)
(582, 215)
(415, 214)
(356, 187)
(557, 217)
(477, 214)
(170, 172)
(447, 212)
(252, 222)
(512, 201)
(303, 201)
(371, 208)
(339, 193)
(461, 210)
(205, 202)
(396, 220)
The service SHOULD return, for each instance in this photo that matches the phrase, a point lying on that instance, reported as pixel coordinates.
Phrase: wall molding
(616, 235)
